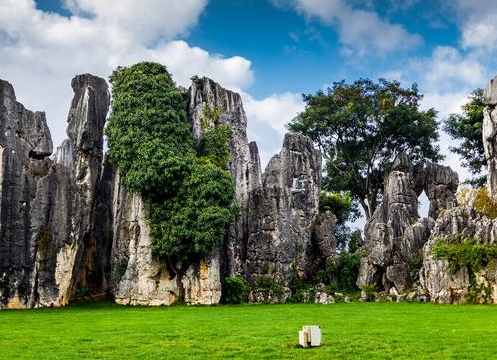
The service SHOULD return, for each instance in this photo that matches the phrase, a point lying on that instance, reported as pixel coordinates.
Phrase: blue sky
(271, 51)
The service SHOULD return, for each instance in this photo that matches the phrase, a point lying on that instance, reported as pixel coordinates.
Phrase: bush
(235, 290)
(344, 271)
(464, 253)
(269, 287)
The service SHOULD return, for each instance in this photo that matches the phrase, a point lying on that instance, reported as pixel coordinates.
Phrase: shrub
(464, 253)
(344, 271)
(235, 290)
(269, 287)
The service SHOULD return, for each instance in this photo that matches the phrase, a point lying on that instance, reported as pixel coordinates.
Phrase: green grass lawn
(350, 331)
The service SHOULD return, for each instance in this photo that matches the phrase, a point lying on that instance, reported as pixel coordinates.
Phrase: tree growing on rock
(467, 128)
(361, 128)
(189, 196)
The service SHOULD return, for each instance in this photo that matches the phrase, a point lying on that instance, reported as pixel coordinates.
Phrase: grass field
(350, 331)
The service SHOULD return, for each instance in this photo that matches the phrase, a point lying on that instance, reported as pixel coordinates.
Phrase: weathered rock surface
(140, 277)
(439, 283)
(440, 185)
(70, 230)
(47, 206)
(244, 163)
(395, 236)
(489, 135)
(286, 237)
(462, 223)
(25, 145)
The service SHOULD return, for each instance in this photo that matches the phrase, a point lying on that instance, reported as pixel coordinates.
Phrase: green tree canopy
(467, 128)
(189, 196)
(361, 128)
(148, 132)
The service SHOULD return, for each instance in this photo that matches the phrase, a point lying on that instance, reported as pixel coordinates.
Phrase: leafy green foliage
(361, 128)
(193, 221)
(210, 117)
(235, 290)
(340, 204)
(485, 204)
(189, 199)
(344, 271)
(148, 133)
(479, 199)
(269, 287)
(465, 253)
(467, 127)
(214, 146)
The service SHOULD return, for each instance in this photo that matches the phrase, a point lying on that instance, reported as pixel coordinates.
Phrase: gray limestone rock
(244, 163)
(25, 145)
(489, 135)
(440, 186)
(46, 211)
(69, 229)
(287, 236)
(395, 235)
(438, 282)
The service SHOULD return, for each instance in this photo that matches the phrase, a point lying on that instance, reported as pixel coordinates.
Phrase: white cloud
(447, 66)
(41, 52)
(361, 32)
(233, 73)
(268, 118)
(143, 21)
(446, 79)
(481, 34)
(477, 21)
(277, 109)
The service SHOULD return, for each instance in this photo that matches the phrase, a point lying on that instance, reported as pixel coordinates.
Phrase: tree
(361, 128)
(148, 132)
(467, 127)
(188, 196)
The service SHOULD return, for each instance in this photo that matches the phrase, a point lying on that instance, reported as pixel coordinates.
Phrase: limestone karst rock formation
(288, 237)
(490, 134)
(148, 280)
(395, 234)
(69, 229)
(443, 286)
(462, 223)
(279, 233)
(46, 211)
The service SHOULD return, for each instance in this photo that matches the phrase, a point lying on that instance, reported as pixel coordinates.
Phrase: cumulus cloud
(477, 22)
(446, 104)
(143, 21)
(268, 119)
(447, 68)
(447, 77)
(361, 32)
(181, 59)
(41, 51)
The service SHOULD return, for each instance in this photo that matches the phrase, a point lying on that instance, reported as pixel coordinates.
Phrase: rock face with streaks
(464, 284)
(395, 235)
(70, 231)
(466, 223)
(490, 134)
(287, 237)
(46, 205)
